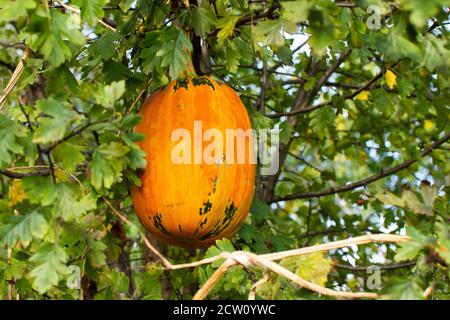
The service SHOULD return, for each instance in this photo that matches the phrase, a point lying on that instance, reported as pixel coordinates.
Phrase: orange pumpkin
(192, 204)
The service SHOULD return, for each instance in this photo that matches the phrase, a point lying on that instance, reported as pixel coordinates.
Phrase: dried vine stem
(252, 293)
(370, 238)
(14, 78)
(266, 261)
(249, 259)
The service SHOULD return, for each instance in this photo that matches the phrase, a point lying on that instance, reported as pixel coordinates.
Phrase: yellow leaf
(340, 123)
(313, 267)
(391, 79)
(226, 26)
(363, 95)
(428, 125)
(60, 175)
(362, 157)
(16, 193)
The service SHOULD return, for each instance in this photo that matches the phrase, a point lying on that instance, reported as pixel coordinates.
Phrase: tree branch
(19, 175)
(365, 86)
(364, 182)
(381, 267)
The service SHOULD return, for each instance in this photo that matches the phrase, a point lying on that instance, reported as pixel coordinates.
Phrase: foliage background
(351, 101)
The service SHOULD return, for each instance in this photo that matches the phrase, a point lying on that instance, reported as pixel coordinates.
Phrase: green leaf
(226, 26)
(105, 46)
(131, 120)
(410, 250)
(54, 126)
(91, 10)
(111, 93)
(15, 269)
(61, 80)
(396, 47)
(15, 9)
(232, 56)
(391, 199)
(296, 11)
(169, 48)
(97, 255)
(269, 33)
(40, 190)
(69, 155)
(436, 54)
(223, 245)
(413, 203)
(54, 38)
(50, 259)
(203, 19)
(107, 164)
(69, 205)
(322, 31)
(150, 284)
(420, 10)
(22, 229)
(286, 130)
(313, 267)
(403, 289)
(10, 133)
(259, 209)
(260, 121)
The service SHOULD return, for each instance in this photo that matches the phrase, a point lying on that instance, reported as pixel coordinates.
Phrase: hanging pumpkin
(185, 198)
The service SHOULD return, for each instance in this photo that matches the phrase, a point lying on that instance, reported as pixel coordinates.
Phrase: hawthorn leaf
(51, 267)
(203, 19)
(14, 9)
(22, 228)
(91, 10)
(10, 134)
(69, 155)
(226, 26)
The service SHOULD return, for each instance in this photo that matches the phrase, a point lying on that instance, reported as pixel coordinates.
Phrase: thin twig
(139, 95)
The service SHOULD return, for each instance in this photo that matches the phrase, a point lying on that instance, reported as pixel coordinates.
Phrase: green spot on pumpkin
(207, 208)
(157, 222)
(214, 184)
(181, 83)
(201, 81)
(219, 227)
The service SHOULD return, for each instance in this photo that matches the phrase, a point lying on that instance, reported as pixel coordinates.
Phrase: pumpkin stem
(189, 71)
(200, 55)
